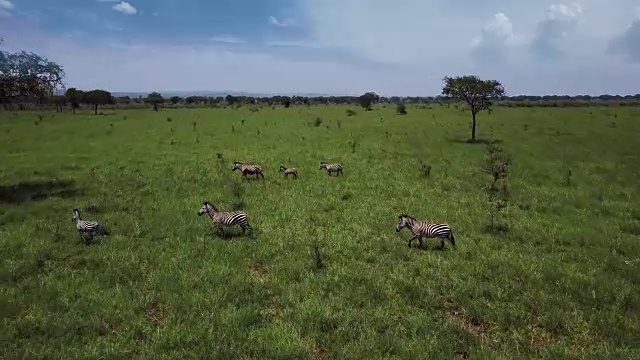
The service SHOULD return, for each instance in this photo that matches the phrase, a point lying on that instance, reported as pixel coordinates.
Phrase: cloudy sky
(401, 47)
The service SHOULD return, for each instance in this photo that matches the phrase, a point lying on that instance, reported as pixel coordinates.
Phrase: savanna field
(326, 276)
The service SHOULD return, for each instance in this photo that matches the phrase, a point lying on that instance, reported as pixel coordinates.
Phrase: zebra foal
(90, 227)
(225, 219)
(289, 171)
(331, 168)
(248, 169)
(426, 229)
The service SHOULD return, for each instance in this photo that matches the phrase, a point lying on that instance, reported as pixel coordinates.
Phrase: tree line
(28, 78)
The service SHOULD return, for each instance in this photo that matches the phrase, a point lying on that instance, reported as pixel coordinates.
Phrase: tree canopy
(26, 75)
(96, 97)
(478, 94)
(368, 99)
(155, 99)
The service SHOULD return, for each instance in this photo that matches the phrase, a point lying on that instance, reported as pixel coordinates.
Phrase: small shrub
(401, 109)
(498, 166)
(169, 119)
(317, 257)
(567, 177)
(242, 121)
(339, 123)
(426, 169)
(233, 128)
(317, 122)
(350, 112)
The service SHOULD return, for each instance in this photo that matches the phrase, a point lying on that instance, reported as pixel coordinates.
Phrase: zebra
(426, 229)
(248, 169)
(289, 171)
(225, 218)
(336, 168)
(90, 227)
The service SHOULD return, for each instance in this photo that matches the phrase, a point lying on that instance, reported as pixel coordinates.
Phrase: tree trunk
(473, 126)
(155, 107)
(73, 108)
(96, 112)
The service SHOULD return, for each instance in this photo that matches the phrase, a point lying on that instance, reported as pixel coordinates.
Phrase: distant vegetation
(30, 81)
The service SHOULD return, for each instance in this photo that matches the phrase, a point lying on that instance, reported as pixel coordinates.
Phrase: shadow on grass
(497, 229)
(230, 234)
(38, 190)
(475, 142)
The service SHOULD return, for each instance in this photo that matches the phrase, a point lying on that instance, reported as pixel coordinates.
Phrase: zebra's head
(76, 215)
(404, 220)
(236, 165)
(323, 165)
(206, 208)
(282, 168)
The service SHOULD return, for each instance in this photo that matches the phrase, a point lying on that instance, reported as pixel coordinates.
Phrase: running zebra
(336, 168)
(248, 169)
(225, 218)
(289, 171)
(90, 227)
(426, 229)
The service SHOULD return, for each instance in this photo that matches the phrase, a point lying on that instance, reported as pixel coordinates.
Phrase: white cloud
(496, 37)
(558, 22)
(274, 21)
(125, 8)
(301, 44)
(627, 44)
(5, 6)
(226, 39)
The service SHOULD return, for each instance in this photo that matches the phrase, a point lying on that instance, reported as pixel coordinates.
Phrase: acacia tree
(155, 99)
(97, 97)
(477, 93)
(73, 97)
(368, 99)
(28, 76)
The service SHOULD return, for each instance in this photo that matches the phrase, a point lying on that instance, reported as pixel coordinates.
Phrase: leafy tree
(230, 99)
(26, 75)
(368, 99)
(73, 97)
(478, 94)
(59, 101)
(155, 99)
(401, 109)
(175, 99)
(97, 97)
(286, 101)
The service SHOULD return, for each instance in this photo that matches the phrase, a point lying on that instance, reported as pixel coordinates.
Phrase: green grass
(560, 282)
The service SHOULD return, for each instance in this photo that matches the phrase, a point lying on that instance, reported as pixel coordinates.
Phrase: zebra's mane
(406, 216)
(206, 203)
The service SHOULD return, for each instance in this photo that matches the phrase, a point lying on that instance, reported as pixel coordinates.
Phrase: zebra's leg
(442, 240)
(410, 240)
(421, 243)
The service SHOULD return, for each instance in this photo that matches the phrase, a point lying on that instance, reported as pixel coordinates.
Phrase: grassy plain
(327, 276)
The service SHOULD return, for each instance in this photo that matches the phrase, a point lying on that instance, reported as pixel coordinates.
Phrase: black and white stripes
(248, 169)
(426, 229)
(90, 227)
(331, 168)
(225, 218)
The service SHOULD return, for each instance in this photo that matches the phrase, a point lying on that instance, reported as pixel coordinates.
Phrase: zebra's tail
(453, 240)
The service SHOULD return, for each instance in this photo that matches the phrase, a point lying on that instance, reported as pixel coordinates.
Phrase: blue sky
(401, 47)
